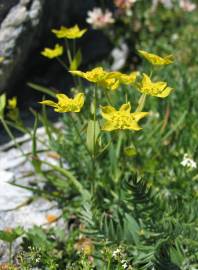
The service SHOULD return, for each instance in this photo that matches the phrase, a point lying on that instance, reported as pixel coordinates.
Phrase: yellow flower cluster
(114, 119)
(108, 80)
(121, 119)
(64, 32)
(66, 104)
(69, 33)
(155, 59)
(158, 89)
(53, 53)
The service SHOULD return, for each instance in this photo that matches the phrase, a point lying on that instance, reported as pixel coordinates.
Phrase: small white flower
(188, 162)
(116, 253)
(124, 264)
(99, 19)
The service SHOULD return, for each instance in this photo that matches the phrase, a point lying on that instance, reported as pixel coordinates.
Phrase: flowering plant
(110, 174)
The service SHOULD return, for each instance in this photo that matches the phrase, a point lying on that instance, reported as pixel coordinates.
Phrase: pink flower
(186, 5)
(124, 4)
(99, 19)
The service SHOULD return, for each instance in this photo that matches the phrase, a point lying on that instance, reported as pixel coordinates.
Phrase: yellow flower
(158, 89)
(108, 80)
(12, 103)
(124, 78)
(52, 53)
(70, 33)
(155, 59)
(95, 75)
(66, 104)
(99, 76)
(121, 119)
(1, 59)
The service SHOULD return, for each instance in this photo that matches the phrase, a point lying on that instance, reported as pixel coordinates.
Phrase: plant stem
(67, 174)
(109, 264)
(62, 63)
(108, 98)
(79, 135)
(68, 51)
(94, 146)
(141, 103)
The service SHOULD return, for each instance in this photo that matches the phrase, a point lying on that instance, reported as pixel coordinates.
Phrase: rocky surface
(17, 206)
(17, 32)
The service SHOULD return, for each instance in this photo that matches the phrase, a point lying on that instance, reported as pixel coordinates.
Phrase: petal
(115, 86)
(160, 85)
(108, 126)
(139, 115)
(49, 103)
(107, 112)
(169, 59)
(78, 73)
(125, 107)
(60, 109)
(165, 93)
(134, 126)
(128, 79)
(146, 79)
(79, 99)
(62, 98)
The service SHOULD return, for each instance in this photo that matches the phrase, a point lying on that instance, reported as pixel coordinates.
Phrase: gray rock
(17, 206)
(17, 32)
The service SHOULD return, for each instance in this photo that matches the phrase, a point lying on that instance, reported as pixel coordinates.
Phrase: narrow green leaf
(42, 89)
(76, 61)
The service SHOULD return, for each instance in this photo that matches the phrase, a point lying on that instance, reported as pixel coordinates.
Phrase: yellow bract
(52, 53)
(108, 80)
(158, 89)
(121, 119)
(12, 103)
(155, 59)
(66, 104)
(70, 33)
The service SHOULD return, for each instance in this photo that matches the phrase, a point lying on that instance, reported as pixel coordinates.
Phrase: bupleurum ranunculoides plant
(110, 81)
(111, 118)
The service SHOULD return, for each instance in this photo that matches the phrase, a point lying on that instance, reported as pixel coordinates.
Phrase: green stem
(69, 55)
(62, 63)
(141, 103)
(68, 51)
(74, 47)
(79, 135)
(109, 264)
(94, 152)
(94, 146)
(67, 174)
(108, 98)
